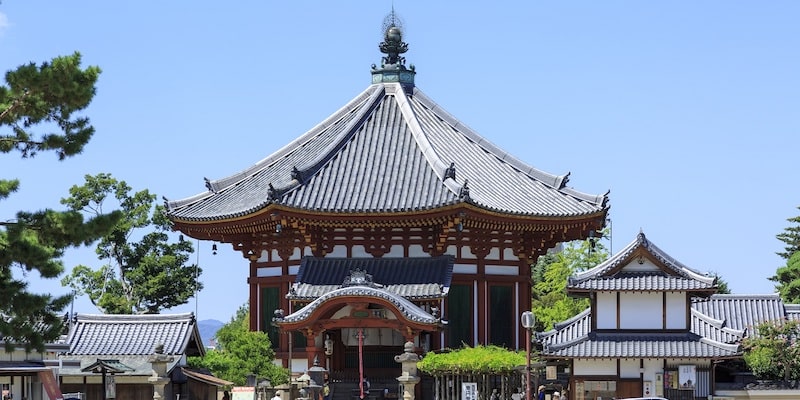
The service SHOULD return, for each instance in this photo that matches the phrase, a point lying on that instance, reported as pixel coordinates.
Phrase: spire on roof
(393, 68)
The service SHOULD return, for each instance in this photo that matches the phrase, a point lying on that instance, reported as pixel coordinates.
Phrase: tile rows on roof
(387, 151)
(640, 282)
(130, 334)
(718, 325)
(407, 309)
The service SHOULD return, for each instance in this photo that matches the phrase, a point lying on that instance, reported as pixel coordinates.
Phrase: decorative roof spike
(393, 67)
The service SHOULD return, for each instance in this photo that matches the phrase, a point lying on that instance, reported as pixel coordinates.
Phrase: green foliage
(241, 352)
(788, 279)
(773, 353)
(551, 272)
(791, 237)
(44, 99)
(472, 360)
(722, 285)
(143, 276)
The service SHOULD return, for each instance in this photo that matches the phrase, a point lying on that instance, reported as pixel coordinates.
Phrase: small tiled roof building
(127, 344)
(393, 216)
(655, 327)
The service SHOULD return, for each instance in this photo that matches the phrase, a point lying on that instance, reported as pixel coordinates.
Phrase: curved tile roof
(388, 150)
(409, 310)
(129, 335)
(744, 312)
(708, 338)
(606, 276)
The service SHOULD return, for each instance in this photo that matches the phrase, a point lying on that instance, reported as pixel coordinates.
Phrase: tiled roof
(652, 345)
(388, 151)
(409, 310)
(129, 335)
(608, 275)
(708, 338)
(411, 278)
(743, 312)
(640, 282)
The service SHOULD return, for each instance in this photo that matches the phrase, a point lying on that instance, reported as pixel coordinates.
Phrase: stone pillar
(159, 380)
(408, 377)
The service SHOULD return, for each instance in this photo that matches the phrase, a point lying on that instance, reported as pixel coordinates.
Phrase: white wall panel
(606, 310)
(641, 310)
(676, 310)
(595, 367)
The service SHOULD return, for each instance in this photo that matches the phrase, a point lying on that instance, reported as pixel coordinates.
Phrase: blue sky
(688, 112)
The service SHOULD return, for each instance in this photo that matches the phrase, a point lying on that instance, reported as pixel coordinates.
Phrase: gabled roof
(626, 271)
(134, 335)
(411, 278)
(389, 150)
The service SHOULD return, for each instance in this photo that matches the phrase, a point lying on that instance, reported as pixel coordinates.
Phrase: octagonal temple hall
(388, 222)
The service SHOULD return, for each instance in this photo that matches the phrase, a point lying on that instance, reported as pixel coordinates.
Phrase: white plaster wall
(395, 251)
(508, 254)
(265, 256)
(416, 250)
(647, 266)
(359, 252)
(593, 366)
(501, 270)
(651, 367)
(268, 271)
(465, 269)
(641, 310)
(294, 269)
(606, 311)
(676, 310)
(338, 251)
(466, 252)
(494, 254)
(629, 368)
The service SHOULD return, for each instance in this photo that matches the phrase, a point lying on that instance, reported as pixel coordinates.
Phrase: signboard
(551, 372)
(243, 393)
(687, 377)
(111, 387)
(659, 384)
(469, 391)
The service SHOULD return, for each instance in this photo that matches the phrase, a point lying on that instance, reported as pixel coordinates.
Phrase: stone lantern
(408, 378)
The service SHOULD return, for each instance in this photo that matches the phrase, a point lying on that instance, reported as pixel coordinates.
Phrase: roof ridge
(439, 167)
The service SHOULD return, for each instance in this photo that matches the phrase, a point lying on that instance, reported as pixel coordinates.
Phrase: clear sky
(687, 111)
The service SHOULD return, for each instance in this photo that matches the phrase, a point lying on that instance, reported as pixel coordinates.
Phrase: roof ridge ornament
(393, 68)
(359, 277)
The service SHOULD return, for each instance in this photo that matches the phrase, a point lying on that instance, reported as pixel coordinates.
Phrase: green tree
(774, 352)
(241, 352)
(39, 107)
(788, 279)
(143, 276)
(791, 237)
(550, 301)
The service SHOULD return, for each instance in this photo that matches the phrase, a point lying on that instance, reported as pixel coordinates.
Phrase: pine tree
(38, 104)
(791, 237)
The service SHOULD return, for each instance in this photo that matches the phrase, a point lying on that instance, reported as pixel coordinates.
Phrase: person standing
(540, 393)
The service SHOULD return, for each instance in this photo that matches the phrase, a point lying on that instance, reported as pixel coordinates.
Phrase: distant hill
(208, 329)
